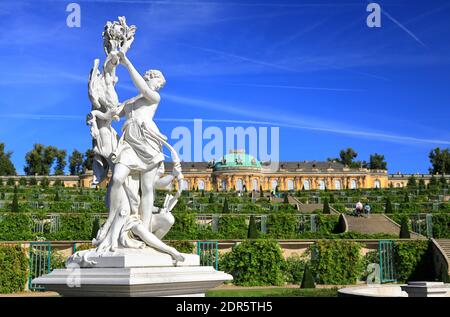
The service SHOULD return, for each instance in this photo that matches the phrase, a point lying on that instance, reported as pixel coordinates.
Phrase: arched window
(337, 184)
(306, 185)
(353, 184)
(239, 184)
(201, 185)
(290, 184)
(377, 184)
(321, 184)
(398, 185)
(255, 184)
(184, 185)
(224, 185)
(274, 184)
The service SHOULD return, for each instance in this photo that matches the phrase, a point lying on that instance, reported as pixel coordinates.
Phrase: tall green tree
(6, 166)
(377, 162)
(88, 160)
(60, 162)
(440, 161)
(412, 182)
(326, 206)
(40, 159)
(76, 163)
(347, 156)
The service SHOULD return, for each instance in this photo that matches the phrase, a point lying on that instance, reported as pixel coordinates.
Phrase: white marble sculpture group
(129, 257)
(135, 158)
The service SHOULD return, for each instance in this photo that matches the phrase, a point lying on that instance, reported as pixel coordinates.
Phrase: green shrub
(412, 261)
(336, 262)
(13, 269)
(293, 269)
(16, 227)
(282, 225)
(10, 182)
(22, 181)
(255, 263)
(232, 227)
(326, 207)
(308, 279)
(15, 202)
(73, 227)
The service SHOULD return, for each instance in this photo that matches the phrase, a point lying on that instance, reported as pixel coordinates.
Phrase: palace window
(321, 185)
(224, 185)
(290, 184)
(239, 184)
(255, 184)
(337, 184)
(377, 184)
(353, 184)
(306, 185)
(201, 185)
(184, 185)
(274, 184)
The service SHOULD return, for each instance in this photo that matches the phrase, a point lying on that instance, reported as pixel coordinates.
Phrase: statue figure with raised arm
(136, 158)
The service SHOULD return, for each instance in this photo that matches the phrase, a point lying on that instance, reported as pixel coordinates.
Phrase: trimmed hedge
(336, 262)
(13, 269)
(255, 263)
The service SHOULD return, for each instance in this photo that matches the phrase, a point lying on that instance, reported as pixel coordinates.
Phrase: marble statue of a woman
(136, 158)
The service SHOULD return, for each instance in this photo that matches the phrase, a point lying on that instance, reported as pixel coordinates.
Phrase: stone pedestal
(427, 289)
(131, 272)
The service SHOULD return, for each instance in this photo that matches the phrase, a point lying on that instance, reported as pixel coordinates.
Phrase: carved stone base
(133, 281)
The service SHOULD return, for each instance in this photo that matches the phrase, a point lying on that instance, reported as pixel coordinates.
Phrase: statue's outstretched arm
(138, 81)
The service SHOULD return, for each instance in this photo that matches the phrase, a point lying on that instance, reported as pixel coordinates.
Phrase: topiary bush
(252, 229)
(308, 279)
(254, 263)
(13, 269)
(336, 262)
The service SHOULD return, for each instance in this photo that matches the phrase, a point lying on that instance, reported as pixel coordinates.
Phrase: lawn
(274, 292)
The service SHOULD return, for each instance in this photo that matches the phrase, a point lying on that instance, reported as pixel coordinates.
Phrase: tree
(422, 184)
(347, 156)
(252, 229)
(443, 181)
(225, 208)
(412, 182)
(261, 192)
(60, 162)
(440, 161)
(45, 182)
(211, 198)
(433, 181)
(10, 182)
(404, 230)
(285, 199)
(95, 227)
(40, 159)
(6, 166)
(326, 206)
(88, 160)
(22, 181)
(377, 162)
(332, 199)
(15, 201)
(308, 278)
(388, 207)
(76, 163)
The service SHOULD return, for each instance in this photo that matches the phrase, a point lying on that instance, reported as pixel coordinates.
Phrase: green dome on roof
(237, 160)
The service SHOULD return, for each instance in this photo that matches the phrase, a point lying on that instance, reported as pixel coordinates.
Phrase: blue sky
(311, 67)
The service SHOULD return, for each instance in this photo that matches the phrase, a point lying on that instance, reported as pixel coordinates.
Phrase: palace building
(240, 171)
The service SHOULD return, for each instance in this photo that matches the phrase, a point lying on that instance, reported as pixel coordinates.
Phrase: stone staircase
(445, 246)
(375, 223)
